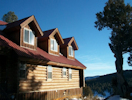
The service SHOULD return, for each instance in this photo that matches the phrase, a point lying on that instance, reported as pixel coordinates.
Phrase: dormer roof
(22, 23)
(39, 55)
(50, 33)
(70, 41)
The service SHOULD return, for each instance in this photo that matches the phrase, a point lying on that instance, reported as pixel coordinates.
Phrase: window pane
(26, 36)
(49, 68)
(70, 76)
(55, 45)
(22, 73)
(49, 74)
(31, 38)
(69, 50)
(52, 44)
(64, 71)
(70, 71)
(22, 66)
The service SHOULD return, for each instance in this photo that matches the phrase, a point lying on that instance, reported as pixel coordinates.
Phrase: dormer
(24, 32)
(51, 41)
(68, 48)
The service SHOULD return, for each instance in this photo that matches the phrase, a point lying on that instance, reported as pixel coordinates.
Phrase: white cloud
(89, 58)
(97, 65)
(98, 69)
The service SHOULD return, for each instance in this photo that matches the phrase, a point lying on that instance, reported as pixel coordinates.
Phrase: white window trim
(54, 40)
(72, 51)
(64, 70)
(29, 36)
(22, 68)
(49, 79)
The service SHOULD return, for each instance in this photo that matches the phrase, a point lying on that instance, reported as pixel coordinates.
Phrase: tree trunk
(122, 86)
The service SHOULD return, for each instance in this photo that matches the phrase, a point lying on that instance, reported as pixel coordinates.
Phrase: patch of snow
(117, 97)
(101, 98)
(107, 94)
(2, 27)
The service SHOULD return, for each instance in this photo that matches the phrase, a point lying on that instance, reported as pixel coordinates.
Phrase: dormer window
(70, 51)
(54, 45)
(29, 36)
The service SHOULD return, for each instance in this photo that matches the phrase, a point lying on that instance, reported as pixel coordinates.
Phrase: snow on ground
(107, 94)
(116, 97)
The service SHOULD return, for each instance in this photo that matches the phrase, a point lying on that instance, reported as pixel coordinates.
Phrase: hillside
(103, 83)
(89, 78)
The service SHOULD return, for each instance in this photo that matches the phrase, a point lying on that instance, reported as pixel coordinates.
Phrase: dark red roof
(67, 40)
(46, 35)
(37, 54)
(48, 32)
(16, 23)
(3, 23)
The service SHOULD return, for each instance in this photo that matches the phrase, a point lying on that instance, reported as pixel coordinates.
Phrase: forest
(106, 82)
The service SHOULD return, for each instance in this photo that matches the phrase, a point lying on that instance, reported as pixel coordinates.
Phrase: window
(29, 36)
(70, 74)
(54, 45)
(70, 51)
(49, 72)
(64, 72)
(22, 70)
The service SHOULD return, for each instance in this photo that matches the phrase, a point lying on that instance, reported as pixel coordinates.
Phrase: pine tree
(118, 17)
(9, 17)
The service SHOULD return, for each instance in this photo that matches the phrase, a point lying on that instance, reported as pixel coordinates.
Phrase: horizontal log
(37, 75)
(37, 72)
(47, 88)
(30, 90)
(48, 84)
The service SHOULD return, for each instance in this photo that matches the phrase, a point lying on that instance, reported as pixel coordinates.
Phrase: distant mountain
(103, 83)
(90, 78)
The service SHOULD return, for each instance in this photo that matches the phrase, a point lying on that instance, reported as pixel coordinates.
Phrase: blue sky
(72, 18)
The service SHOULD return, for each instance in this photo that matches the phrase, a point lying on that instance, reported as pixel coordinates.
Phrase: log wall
(47, 95)
(36, 79)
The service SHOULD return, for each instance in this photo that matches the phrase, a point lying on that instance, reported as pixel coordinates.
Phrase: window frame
(29, 36)
(22, 67)
(49, 71)
(71, 52)
(55, 45)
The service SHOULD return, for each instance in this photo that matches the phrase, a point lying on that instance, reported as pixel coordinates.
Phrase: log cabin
(36, 64)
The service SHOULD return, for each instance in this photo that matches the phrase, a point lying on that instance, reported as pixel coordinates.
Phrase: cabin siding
(64, 51)
(43, 45)
(36, 79)
(49, 95)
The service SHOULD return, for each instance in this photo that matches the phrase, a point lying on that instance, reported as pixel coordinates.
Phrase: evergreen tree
(118, 17)
(9, 17)
(87, 91)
